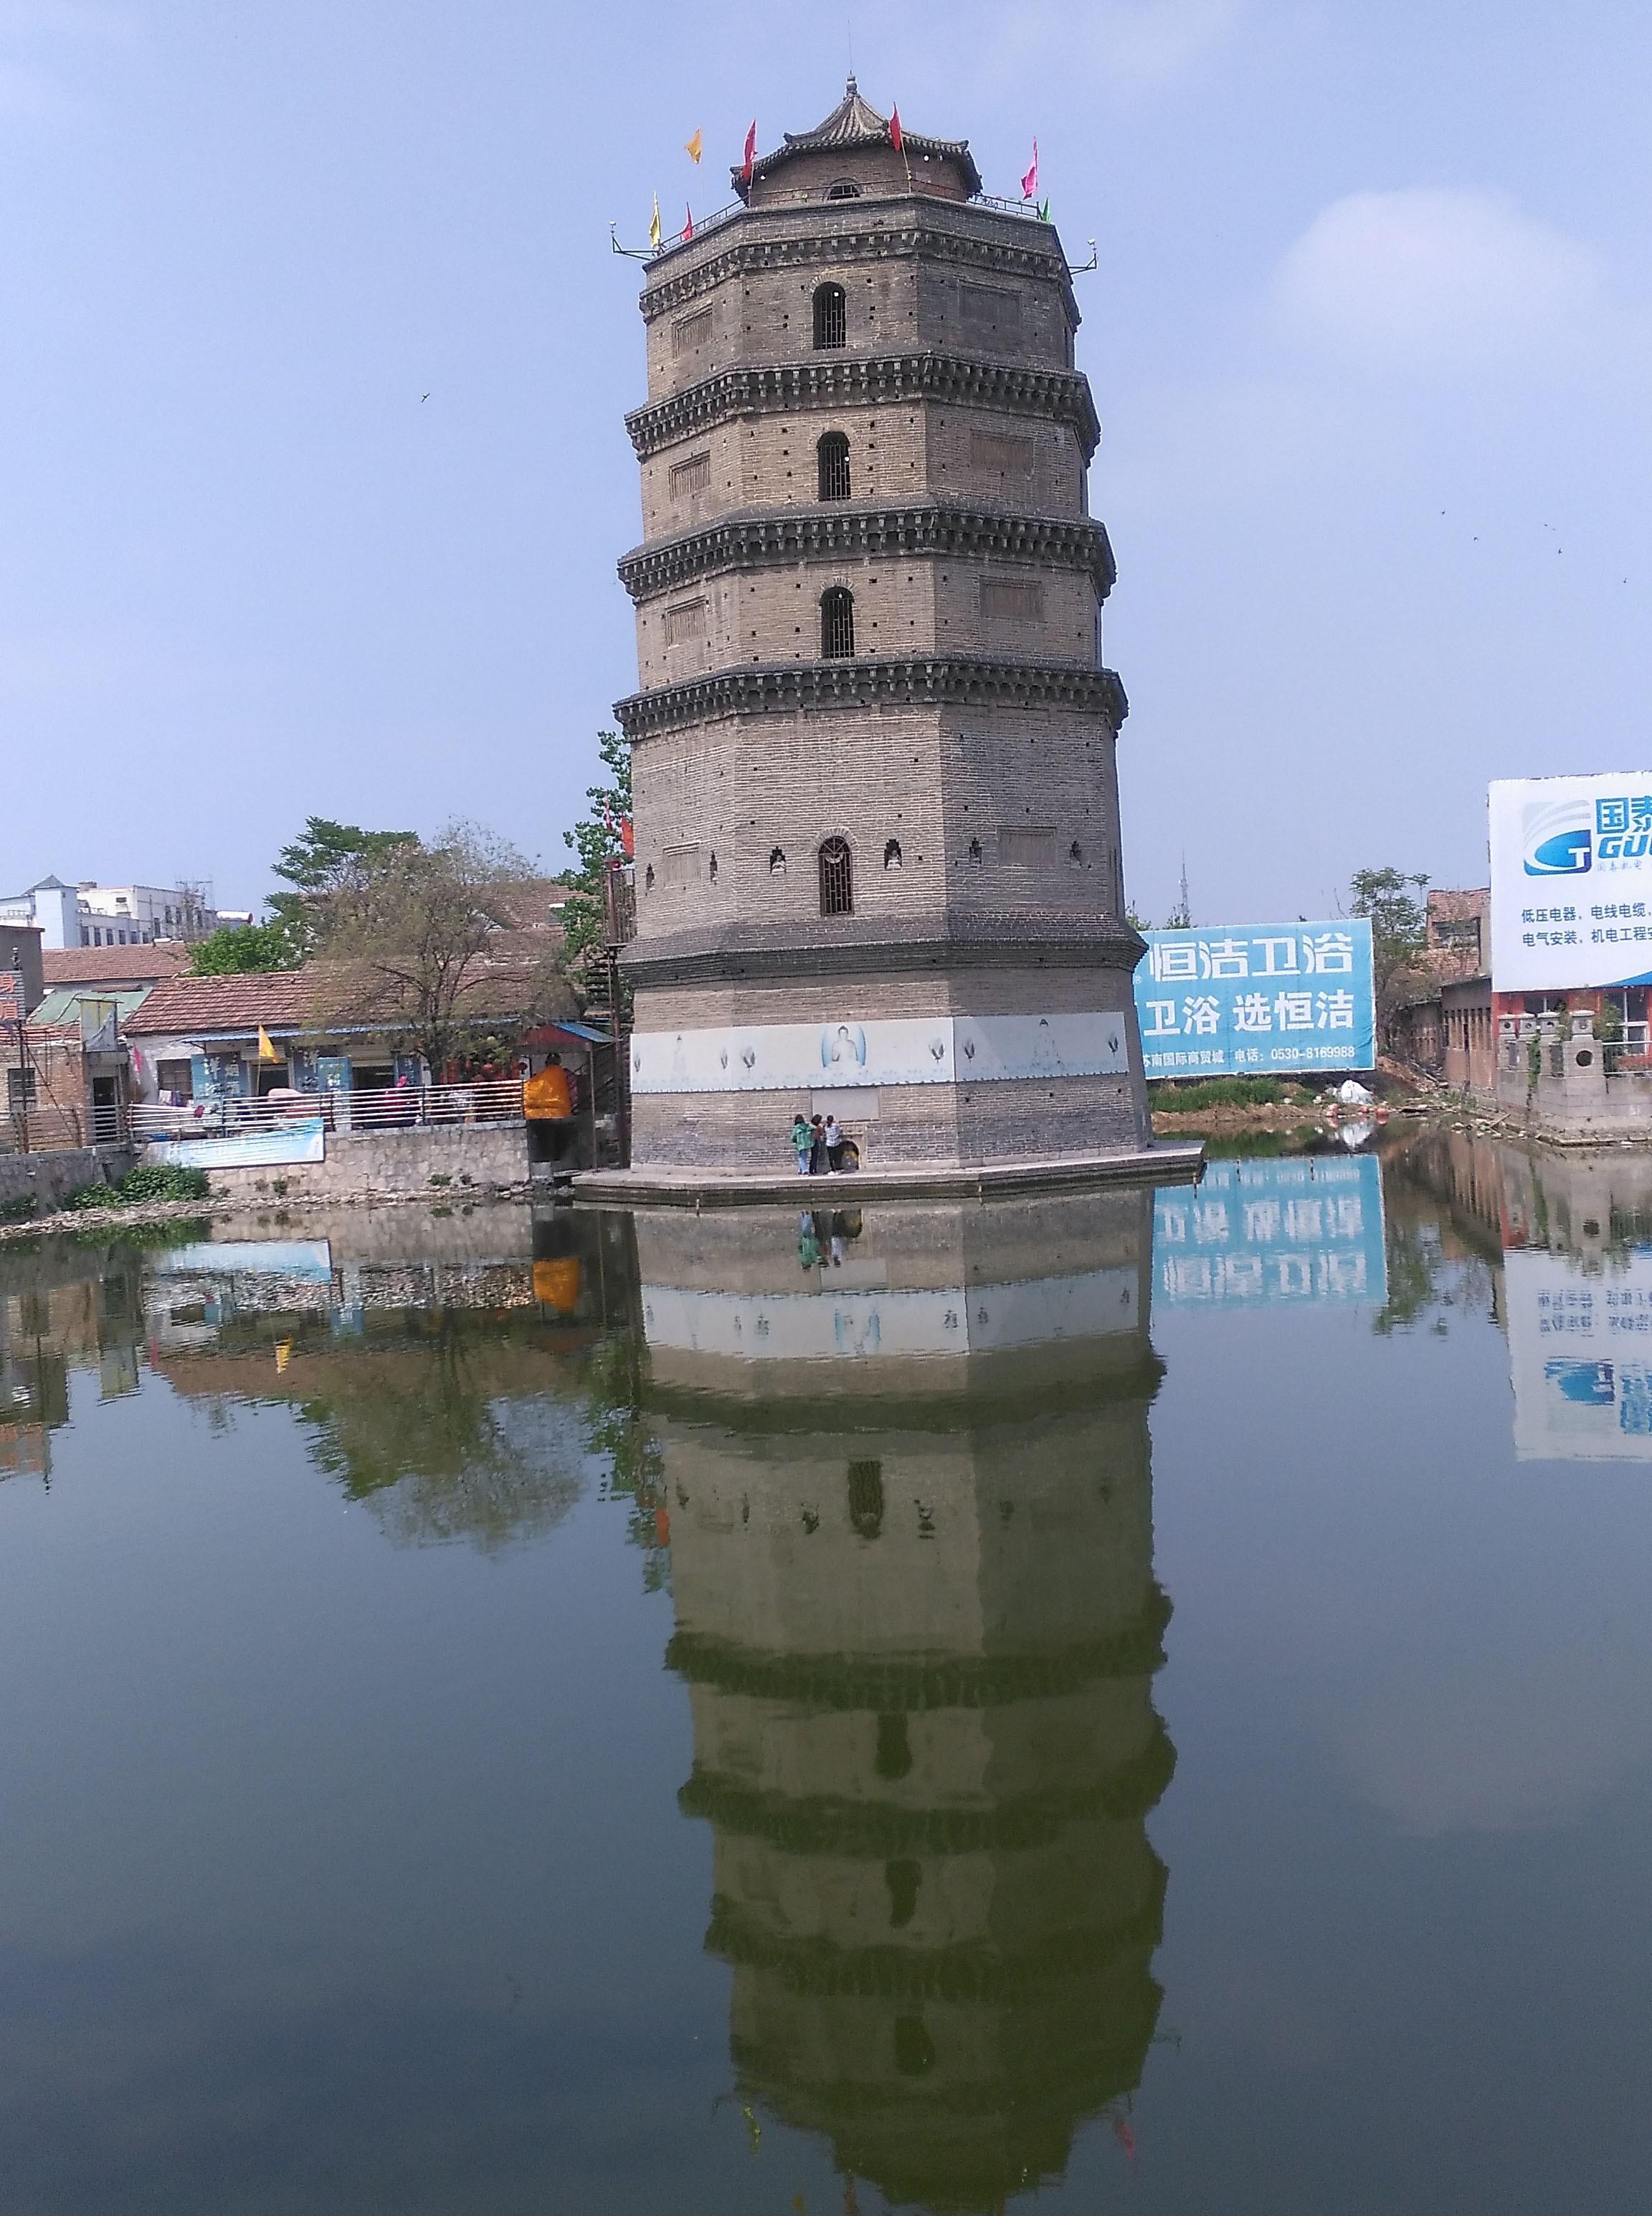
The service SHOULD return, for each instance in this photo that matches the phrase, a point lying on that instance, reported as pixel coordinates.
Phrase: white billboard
(1571, 882)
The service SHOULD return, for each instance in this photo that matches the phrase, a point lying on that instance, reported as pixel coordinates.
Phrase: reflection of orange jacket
(549, 1094)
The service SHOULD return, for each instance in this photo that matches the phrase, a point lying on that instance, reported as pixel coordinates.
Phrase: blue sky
(1368, 338)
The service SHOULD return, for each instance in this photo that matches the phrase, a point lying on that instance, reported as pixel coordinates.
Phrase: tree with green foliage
(408, 937)
(597, 839)
(324, 860)
(240, 949)
(1399, 933)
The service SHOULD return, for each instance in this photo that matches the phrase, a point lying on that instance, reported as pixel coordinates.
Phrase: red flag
(1029, 182)
(688, 227)
(750, 153)
(895, 128)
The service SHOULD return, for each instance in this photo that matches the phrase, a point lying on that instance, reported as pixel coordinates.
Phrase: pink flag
(1029, 182)
(750, 152)
(688, 227)
(895, 128)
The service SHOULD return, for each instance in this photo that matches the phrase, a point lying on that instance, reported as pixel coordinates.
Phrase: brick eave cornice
(841, 531)
(1007, 938)
(913, 680)
(941, 231)
(838, 381)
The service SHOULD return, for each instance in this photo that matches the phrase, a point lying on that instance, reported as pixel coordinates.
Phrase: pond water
(1142, 1700)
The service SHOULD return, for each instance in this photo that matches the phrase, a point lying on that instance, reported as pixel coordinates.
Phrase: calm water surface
(1145, 1701)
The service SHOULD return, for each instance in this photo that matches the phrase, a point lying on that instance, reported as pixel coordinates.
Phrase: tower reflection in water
(910, 1492)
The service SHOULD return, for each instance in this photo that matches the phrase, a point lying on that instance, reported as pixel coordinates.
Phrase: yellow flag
(695, 148)
(654, 227)
(265, 1046)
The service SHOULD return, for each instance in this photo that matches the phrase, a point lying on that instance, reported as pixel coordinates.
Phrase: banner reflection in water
(906, 1459)
(1294, 1229)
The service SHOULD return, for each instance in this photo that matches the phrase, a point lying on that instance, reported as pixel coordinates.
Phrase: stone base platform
(1178, 1163)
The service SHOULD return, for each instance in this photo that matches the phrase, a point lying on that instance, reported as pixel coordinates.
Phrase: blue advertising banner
(1255, 1233)
(1230, 1001)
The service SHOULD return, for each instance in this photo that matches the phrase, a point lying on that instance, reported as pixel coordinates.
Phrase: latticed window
(837, 623)
(832, 454)
(831, 317)
(836, 878)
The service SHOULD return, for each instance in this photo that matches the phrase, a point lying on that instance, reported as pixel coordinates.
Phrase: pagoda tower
(876, 806)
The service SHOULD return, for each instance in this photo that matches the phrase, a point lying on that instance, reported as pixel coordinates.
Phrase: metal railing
(396, 1107)
(1027, 210)
(1628, 1055)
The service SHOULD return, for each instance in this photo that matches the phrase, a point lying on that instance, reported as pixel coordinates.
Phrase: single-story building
(1469, 1028)
(196, 1040)
(113, 968)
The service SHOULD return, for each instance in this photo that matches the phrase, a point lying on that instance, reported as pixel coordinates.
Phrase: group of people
(818, 1142)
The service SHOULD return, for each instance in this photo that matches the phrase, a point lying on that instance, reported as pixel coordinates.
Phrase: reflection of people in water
(824, 1237)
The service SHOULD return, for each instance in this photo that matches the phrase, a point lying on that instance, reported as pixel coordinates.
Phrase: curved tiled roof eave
(1059, 396)
(934, 528)
(931, 679)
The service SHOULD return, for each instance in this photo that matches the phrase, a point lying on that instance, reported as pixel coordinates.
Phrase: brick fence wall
(49, 1178)
(437, 1159)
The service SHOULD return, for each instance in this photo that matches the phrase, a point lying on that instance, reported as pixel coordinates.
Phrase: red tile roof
(280, 1000)
(290, 1001)
(112, 965)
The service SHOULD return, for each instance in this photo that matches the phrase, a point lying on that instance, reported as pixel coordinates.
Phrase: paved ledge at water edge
(665, 1187)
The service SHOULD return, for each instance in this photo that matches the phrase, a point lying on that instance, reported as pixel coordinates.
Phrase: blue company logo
(1557, 844)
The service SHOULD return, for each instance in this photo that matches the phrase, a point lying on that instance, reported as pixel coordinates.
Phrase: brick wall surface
(896, 453)
(918, 604)
(1014, 1119)
(935, 782)
(48, 1179)
(467, 1159)
(998, 292)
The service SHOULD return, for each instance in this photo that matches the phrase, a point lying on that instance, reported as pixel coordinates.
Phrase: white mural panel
(921, 1050)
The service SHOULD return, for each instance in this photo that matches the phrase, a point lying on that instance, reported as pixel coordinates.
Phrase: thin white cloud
(1122, 45)
(1427, 278)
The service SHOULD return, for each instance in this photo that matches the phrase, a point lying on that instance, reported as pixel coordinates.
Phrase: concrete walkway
(1179, 1162)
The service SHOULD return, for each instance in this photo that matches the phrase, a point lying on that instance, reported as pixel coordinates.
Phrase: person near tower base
(832, 1134)
(802, 1140)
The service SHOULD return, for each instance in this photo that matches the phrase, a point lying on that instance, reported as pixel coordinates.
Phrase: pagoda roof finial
(854, 122)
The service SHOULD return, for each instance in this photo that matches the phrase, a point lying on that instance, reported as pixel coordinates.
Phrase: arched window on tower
(844, 191)
(776, 861)
(891, 855)
(836, 878)
(832, 455)
(831, 317)
(837, 623)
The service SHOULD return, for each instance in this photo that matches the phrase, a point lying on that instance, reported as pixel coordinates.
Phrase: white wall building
(89, 914)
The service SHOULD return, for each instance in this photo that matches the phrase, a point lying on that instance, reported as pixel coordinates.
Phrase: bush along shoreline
(142, 1187)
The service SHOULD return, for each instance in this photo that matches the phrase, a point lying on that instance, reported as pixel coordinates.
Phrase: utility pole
(25, 1069)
